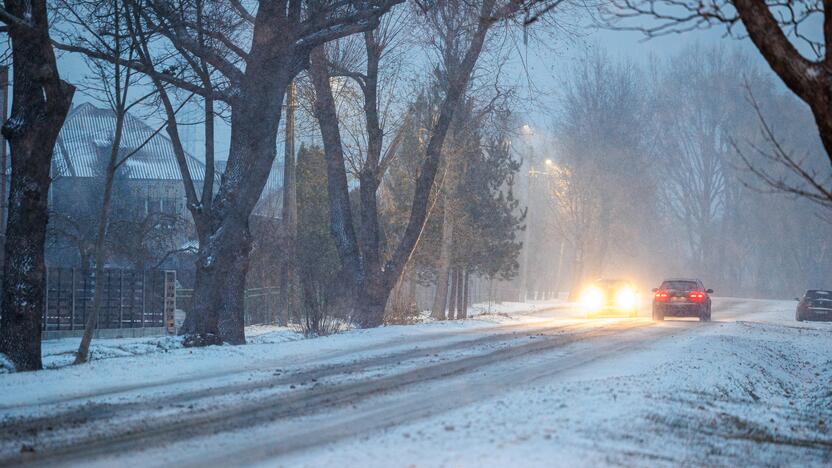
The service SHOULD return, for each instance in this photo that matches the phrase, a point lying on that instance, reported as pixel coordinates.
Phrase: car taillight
(696, 296)
(661, 296)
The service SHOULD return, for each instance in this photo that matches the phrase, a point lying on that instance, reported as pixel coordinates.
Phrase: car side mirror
(655, 289)
(709, 291)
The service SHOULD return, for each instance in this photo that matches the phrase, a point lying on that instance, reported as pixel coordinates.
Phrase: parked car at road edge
(815, 304)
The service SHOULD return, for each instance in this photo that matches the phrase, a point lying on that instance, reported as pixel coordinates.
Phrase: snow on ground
(118, 364)
(60, 352)
(754, 387)
(732, 393)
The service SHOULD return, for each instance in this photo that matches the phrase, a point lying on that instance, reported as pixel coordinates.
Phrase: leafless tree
(784, 170)
(698, 111)
(599, 178)
(252, 51)
(40, 103)
(112, 82)
(778, 30)
(369, 280)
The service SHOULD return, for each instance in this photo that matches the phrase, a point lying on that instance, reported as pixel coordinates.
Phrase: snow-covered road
(535, 387)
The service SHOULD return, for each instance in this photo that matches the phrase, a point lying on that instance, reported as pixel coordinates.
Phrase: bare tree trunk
(490, 292)
(40, 103)
(281, 39)
(452, 295)
(341, 221)
(103, 219)
(460, 293)
(224, 259)
(440, 298)
(411, 293)
(119, 99)
(4, 98)
(373, 287)
(466, 294)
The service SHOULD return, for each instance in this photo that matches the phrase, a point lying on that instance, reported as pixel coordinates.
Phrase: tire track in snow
(161, 431)
(90, 412)
(277, 363)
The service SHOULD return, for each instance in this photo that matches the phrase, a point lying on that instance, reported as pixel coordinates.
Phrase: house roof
(83, 148)
(87, 135)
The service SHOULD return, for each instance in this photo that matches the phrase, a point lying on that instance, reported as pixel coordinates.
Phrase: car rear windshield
(680, 285)
(818, 294)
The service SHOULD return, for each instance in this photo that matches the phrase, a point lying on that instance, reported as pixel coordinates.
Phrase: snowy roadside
(750, 388)
(60, 352)
(729, 394)
(121, 362)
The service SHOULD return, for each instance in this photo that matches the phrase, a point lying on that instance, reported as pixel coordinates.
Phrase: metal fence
(131, 298)
(260, 304)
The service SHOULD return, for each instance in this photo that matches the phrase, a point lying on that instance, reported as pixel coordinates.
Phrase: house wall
(79, 199)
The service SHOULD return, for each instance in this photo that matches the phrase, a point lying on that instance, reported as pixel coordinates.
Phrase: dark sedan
(682, 297)
(816, 304)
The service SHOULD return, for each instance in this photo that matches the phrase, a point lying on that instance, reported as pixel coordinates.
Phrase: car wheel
(658, 314)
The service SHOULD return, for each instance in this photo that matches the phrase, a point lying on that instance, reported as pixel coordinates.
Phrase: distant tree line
(650, 176)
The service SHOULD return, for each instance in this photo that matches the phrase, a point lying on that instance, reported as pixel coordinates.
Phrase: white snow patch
(6, 365)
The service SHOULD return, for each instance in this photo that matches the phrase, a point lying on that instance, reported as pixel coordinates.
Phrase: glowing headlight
(626, 298)
(592, 298)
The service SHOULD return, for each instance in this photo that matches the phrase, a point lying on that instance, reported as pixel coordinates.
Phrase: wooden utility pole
(4, 163)
(289, 215)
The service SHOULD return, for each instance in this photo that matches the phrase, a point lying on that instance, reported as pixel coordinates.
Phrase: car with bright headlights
(682, 297)
(610, 297)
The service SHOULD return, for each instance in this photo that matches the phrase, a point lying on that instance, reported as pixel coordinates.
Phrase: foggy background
(630, 153)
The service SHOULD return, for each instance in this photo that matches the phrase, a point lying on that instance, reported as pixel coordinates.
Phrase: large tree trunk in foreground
(40, 102)
(223, 259)
(219, 288)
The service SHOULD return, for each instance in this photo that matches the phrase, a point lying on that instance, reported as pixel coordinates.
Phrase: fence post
(45, 299)
(72, 301)
(121, 298)
(144, 293)
(169, 300)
